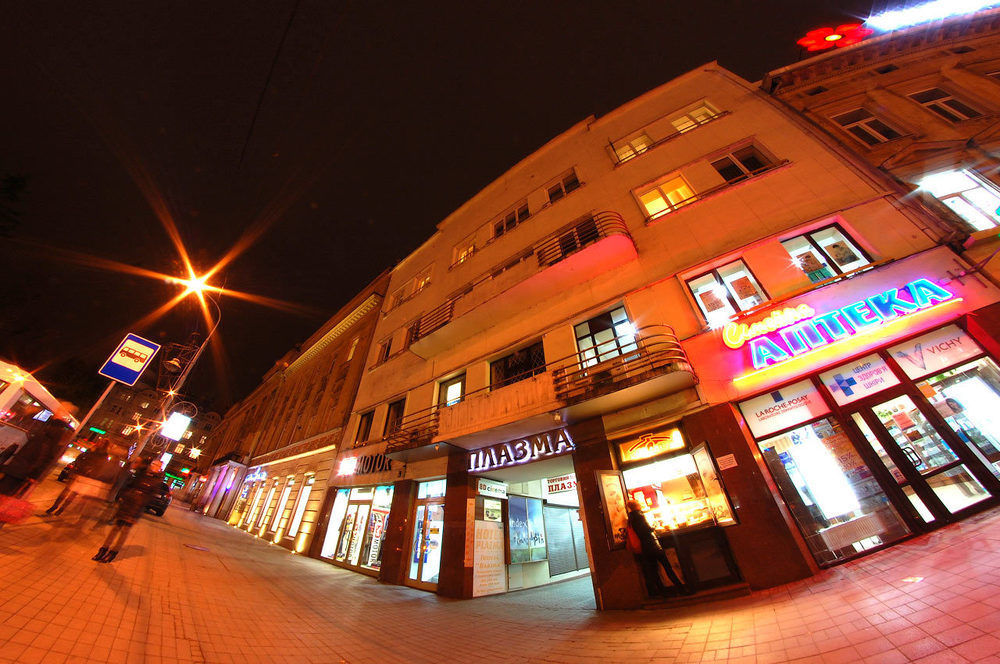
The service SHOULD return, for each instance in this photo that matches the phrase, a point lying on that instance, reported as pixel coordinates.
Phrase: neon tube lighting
(935, 10)
(879, 328)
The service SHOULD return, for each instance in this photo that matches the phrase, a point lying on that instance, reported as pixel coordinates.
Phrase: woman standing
(652, 554)
(134, 499)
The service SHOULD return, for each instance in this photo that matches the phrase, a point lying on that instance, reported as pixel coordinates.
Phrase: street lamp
(174, 364)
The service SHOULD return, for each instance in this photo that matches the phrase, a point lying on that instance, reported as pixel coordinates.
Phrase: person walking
(134, 499)
(85, 467)
(34, 458)
(653, 555)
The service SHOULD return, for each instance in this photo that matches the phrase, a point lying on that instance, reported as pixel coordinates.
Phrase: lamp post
(174, 387)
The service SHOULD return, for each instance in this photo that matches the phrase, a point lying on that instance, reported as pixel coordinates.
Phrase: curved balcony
(593, 244)
(650, 365)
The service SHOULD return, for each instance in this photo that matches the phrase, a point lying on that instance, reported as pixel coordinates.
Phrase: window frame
(365, 421)
(671, 207)
(386, 430)
(563, 183)
(714, 115)
(943, 113)
(462, 252)
(981, 182)
(384, 350)
(629, 144)
(734, 305)
(807, 235)
(509, 220)
(523, 375)
(443, 386)
(863, 126)
(599, 357)
(746, 173)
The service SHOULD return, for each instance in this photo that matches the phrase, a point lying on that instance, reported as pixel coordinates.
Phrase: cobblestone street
(189, 589)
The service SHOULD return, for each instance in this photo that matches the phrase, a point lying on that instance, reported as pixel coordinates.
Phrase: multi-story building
(922, 104)
(697, 301)
(274, 451)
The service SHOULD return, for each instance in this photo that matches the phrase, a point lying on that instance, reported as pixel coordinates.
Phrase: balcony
(560, 261)
(650, 366)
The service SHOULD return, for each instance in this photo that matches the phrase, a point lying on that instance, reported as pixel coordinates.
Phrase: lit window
(866, 127)
(725, 291)
(509, 220)
(279, 509)
(632, 148)
(694, 118)
(364, 427)
(394, 417)
(742, 164)
(604, 337)
(562, 188)
(421, 281)
(968, 194)
(300, 506)
(144, 404)
(188, 434)
(451, 391)
(825, 253)
(666, 197)
(463, 251)
(127, 430)
(938, 101)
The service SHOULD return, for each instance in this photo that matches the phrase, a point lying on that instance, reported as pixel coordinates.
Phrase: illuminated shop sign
(795, 331)
(515, 452)
(364, 464)
(650, 445)
(256, 475)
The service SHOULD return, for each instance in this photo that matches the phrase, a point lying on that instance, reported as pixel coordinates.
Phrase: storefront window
(279, 510)
(336, 520)
(357, 526)
(837, 502)
(432, 489)
(300, 505)
(968, 398)
(673, 495)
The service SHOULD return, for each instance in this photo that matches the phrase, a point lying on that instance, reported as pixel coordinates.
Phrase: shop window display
(837, 502)
(674, 496)
(356, 529)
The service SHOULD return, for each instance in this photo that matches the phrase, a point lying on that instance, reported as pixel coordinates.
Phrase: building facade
(697, 301)
(274, 450)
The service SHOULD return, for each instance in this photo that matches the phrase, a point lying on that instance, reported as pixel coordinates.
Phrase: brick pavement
(932, 599)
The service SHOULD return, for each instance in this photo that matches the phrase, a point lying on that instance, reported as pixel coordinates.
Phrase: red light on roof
(821, 39)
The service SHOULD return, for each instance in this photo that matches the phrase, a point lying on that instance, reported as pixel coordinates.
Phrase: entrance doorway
(428, 527)
(940, 475)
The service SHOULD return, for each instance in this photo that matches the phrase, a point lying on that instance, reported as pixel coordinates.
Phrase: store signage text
(259, 474)
(768, 348)
(364, 464)
(561, 484)
(650, 445)
(485, 487)
(515, 452)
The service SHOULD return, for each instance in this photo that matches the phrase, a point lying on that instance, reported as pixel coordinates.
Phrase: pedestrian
(34, 458)
(652, 555)
(135, 497)
(94, 471)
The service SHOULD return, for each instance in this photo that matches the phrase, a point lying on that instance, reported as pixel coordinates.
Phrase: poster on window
(841, 253)
(376, 528)
(808, 262)
(489, 573)
(932, 352)
(744, 288)
(710, 301)
(612, 489)
(527, 532)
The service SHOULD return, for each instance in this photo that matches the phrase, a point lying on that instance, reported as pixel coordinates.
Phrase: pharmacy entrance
(528, 530)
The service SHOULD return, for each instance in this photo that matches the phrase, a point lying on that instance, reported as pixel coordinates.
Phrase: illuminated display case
(681, 488)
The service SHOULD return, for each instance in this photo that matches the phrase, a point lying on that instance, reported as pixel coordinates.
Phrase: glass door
(931, 468)
(425, 550)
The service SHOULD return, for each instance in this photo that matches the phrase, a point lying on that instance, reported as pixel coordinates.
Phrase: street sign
(130, 358)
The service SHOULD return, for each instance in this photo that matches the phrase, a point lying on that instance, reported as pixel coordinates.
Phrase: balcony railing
(548, 251)
(654, 351)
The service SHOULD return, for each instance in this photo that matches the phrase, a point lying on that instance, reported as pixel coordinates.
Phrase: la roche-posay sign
(783, 408)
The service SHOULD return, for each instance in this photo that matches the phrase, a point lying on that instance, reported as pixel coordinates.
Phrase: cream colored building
(572, 335)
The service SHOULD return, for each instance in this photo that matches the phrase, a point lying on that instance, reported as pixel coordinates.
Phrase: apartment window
(742, 164)
(364, 427)
(866, 127)
(421, 281)
(451, 391)
(350, 352)
(463, 251)
(825, 253)
(725, 291)
(579, 236)
(519, 365)
(384, 349)
(397, 298)
(694, 118)
(632, 148)
(969, 195)
(604, 337)
(947, 106)
(394, 417)
(562, 188)
(511, 219)
(666, 197)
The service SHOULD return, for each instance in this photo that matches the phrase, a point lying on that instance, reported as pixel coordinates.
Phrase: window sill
(714, 191)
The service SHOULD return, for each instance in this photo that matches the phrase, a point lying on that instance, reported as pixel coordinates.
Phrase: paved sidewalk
(933, 599)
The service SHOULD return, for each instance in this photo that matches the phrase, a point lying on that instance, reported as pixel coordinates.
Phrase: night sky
(344, 131)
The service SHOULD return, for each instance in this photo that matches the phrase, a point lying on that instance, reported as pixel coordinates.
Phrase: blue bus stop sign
(129, 360)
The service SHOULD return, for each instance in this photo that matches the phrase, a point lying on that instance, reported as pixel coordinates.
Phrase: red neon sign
(822, 39)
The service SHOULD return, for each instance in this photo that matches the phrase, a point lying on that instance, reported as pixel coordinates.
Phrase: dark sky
(349, 129)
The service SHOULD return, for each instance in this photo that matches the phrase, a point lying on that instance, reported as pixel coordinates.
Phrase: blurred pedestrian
(35, 457)
(94, 472)
(135, 497)
(652, 555)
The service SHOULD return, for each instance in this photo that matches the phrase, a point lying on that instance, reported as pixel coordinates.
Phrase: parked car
(67, 470)
(158, 505)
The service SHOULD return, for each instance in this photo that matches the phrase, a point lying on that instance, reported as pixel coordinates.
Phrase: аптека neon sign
(770, 344)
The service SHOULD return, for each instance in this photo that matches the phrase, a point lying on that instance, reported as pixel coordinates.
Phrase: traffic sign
(130, 358)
